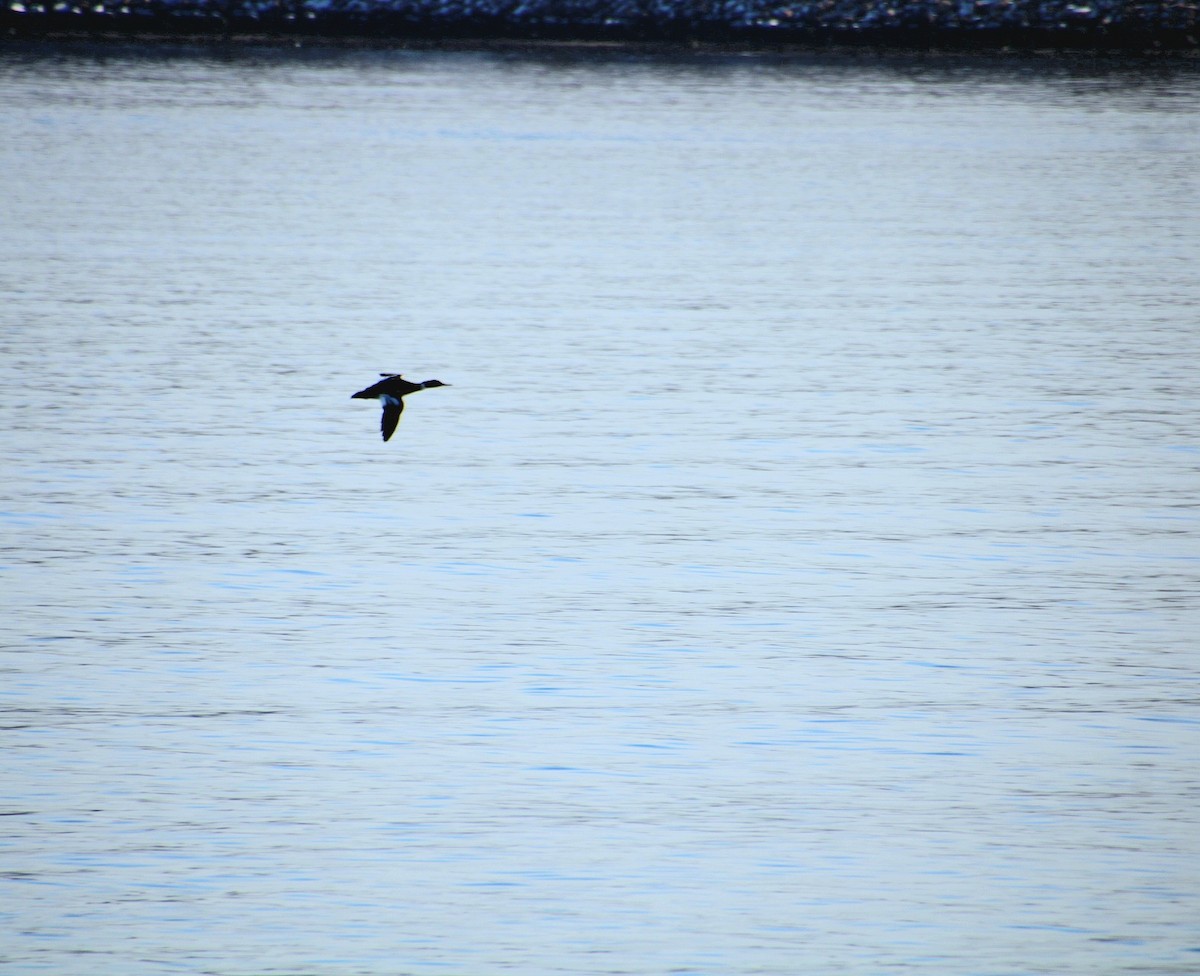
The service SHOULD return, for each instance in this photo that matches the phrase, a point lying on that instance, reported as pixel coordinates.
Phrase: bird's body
(390, 392)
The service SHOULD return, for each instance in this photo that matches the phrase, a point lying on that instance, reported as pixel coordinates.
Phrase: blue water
(798, 577)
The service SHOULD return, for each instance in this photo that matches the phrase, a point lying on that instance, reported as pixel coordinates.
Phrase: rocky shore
(1101, 25)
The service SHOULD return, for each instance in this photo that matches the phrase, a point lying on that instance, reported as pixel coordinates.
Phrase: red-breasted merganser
(390, 391)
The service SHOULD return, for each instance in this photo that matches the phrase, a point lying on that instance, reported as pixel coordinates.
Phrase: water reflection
(795, 577)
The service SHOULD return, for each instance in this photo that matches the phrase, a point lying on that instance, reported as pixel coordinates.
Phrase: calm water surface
(798, 577)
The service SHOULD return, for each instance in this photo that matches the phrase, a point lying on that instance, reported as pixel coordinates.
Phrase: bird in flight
(391, 391)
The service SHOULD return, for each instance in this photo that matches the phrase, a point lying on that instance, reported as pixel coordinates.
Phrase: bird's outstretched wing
(392, 408)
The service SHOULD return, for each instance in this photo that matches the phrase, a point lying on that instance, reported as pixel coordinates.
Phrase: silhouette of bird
(390, 391)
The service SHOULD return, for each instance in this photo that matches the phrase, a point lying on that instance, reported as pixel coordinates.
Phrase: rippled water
(798, 577)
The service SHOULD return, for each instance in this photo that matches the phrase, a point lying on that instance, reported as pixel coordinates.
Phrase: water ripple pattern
(798, 577)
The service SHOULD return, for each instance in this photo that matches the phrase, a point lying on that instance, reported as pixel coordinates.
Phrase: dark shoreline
(383, 32)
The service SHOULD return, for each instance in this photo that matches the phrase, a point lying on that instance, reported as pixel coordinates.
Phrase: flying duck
(390, 391)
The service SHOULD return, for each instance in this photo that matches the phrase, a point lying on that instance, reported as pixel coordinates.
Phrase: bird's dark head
(430, 384)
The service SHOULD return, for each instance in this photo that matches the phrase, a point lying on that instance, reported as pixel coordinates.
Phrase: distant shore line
(1142, 44)
(1164, 28)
